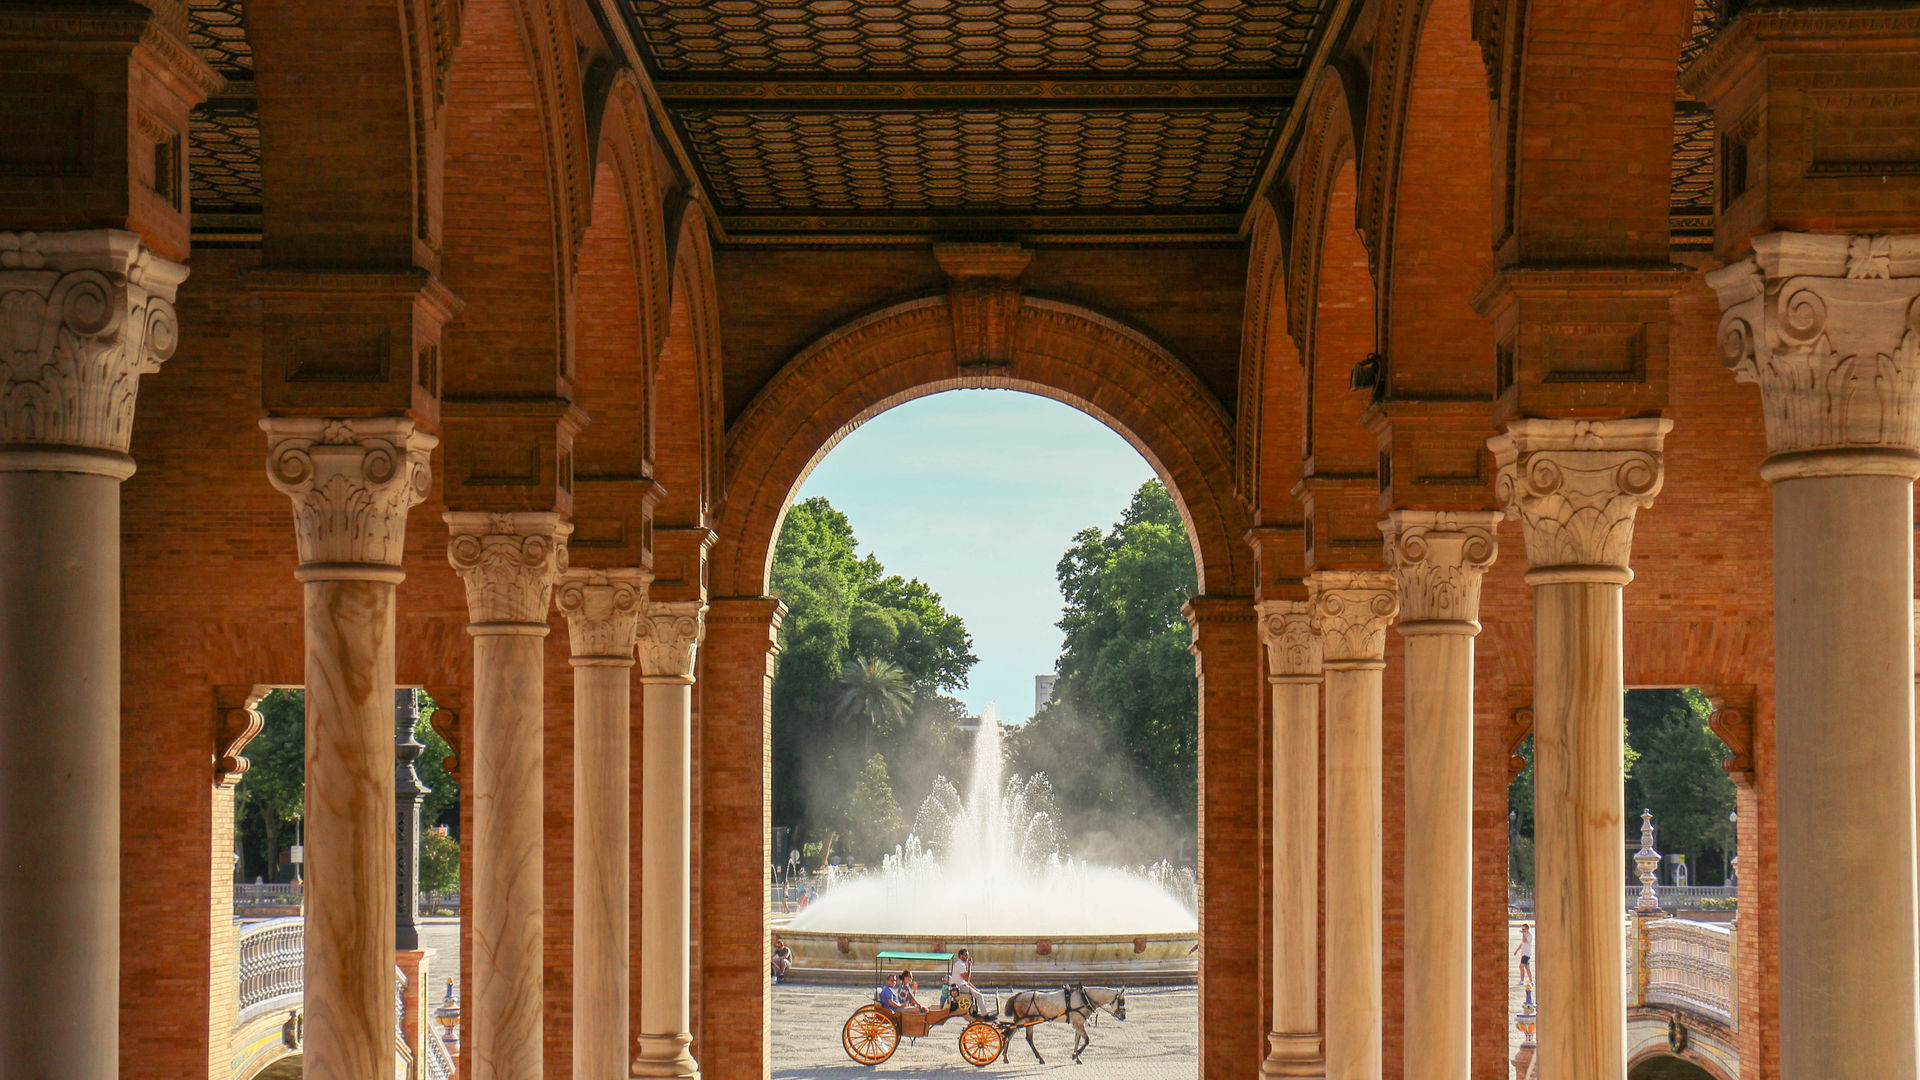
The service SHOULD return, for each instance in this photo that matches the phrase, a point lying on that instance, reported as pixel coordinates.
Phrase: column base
(666, 1056)
(1293, 1056)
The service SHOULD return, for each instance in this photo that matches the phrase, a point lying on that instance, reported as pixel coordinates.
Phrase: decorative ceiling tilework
(856, 36)
(217, 30)
(947, 159)
(224, 153)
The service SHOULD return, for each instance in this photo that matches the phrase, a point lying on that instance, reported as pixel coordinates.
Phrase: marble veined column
(1829, 327)
(1576, 486)
(670, 633)
(603, 618)
(1438, 558)
(351, 482)
(1351, 612)
(82, 316)
(1294, 1049)
(509, 562)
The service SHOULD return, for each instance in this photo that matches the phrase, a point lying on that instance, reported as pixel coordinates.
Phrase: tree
(442, 804)
(875, 694)
(873, 813)
(1121, 743)
(439, 861)
(271, 795)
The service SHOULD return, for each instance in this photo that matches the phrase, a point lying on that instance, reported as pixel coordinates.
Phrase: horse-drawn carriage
(874, 1031)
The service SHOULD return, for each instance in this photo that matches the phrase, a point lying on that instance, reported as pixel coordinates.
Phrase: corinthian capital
(352, 483)
(1438, 558)
(670, 633)
(1576, 485)
(1351, 610)
(1293, 648)
(1826, 325)
(603, 612)
(82, 316)
(509, 562)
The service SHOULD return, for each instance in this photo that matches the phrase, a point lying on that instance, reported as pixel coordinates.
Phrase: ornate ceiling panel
(827, 117)
(223, 138)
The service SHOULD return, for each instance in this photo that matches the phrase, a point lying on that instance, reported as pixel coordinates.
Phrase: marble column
(1829, 327)
(351, 483)
(1351, 612)
(1575, 486)
(509, 562)
(1294, 1047)
(670, 633)
(82, 316)
(603, 617)
(1438, 559)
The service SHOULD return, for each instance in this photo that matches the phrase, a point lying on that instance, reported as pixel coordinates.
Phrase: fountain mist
(991, 864)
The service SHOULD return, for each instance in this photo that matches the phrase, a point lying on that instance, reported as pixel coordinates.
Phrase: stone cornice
(1828, 326)
(1576, 485)
(1439, 557)
(1293, 648)
(352, 483)
(83, 315)
(509, 563)
(669, 639)
(1796, 28)
(603, 613)
(1351, 610)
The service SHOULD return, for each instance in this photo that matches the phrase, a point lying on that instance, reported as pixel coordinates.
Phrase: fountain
(986, 871)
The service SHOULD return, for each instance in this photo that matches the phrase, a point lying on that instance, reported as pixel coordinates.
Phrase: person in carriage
(960, 979)
(893, 997)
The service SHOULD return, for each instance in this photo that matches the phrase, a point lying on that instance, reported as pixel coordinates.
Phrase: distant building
(1043, 691)
(970, 724)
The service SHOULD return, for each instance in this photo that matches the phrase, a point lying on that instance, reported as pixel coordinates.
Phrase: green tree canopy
(867, 660)
(1121, 741)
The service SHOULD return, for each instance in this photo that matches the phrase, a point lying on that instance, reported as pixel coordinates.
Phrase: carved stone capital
(1293, 648)
(1576, 485)
(603, 613)
(352, 483)
(1829, 327)
(1438, 557)
(1351, 611)
(670, 633)
(509, 562)
(82, 316)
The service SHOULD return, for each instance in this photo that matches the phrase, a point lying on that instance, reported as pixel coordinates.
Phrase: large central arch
(1061, 351)
(1078, 357)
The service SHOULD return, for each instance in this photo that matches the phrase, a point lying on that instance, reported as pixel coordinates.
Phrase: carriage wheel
(870, 1035)
(981, 1043)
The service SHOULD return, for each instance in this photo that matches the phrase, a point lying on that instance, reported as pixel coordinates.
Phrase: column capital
(1829, 327)
(1438, 558)
(603, 613)
(352, 482)
(670, 633)
(509, 563)
(1351, 610)
(83, 315)
(1576, 485)
(1293, 649)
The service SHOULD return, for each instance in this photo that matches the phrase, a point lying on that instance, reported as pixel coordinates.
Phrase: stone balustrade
(1689, 966)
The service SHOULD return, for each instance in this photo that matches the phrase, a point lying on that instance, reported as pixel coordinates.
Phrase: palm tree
(875, 691)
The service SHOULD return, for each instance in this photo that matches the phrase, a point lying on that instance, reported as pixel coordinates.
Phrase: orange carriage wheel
(870, 1036)
(981, 1043)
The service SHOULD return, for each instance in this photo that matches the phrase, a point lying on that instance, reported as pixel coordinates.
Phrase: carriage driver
(961, 977)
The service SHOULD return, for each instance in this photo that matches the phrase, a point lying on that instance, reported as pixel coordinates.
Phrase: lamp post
(1733, 859)
(408, 793)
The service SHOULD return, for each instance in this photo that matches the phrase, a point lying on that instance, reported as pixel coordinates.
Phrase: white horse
(1076, 1003)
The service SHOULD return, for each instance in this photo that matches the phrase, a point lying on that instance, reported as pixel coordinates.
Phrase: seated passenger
(891, 998)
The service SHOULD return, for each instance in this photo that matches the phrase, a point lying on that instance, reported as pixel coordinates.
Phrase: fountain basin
(1023, 962)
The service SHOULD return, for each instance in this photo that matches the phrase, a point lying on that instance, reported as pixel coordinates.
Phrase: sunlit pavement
(1158, 1041)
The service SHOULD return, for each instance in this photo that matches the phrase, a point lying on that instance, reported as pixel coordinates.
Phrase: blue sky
(978, 493)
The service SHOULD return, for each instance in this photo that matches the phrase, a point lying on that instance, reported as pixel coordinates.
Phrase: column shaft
(665, 815)
(1438, 961)
(601, 710)
(1294, 1047)
(1579, 813)
(1353, 873)
(349, 829)
(1843, 684)
(60, 774)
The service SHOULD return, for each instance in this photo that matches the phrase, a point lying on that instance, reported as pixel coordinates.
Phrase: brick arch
(1061, 351)
(690, 465)
(516, 200)
(1329, 145)
(620, 294)
(1269, 449)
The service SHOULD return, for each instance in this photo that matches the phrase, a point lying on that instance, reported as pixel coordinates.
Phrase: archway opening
(985, 722)
(1668, 1067)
